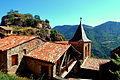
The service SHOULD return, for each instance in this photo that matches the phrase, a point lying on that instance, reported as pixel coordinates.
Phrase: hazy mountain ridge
(105, 37)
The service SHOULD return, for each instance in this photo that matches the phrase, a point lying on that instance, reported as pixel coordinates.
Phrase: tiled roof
(49, 52)
(62, 42)
(13, 41)
(80, 34)
(6, 28)
(93, 63)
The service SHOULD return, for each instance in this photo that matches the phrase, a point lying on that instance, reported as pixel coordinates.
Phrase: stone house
(30, 53)
(51, 59)
(13, 48)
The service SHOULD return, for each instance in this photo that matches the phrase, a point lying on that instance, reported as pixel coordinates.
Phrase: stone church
(31, 54)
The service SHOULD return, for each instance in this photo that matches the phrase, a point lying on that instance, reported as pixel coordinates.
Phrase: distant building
(5, 31)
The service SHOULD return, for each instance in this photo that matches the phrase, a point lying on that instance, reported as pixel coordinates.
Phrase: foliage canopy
(115, 71)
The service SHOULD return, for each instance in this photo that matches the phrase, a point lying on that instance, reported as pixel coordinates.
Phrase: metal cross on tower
(80, 19)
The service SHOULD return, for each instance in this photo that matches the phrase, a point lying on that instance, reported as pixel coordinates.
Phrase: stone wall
(82, 47)
(21, 50)
(78, 45)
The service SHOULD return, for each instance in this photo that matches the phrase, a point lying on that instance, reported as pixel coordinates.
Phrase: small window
(86, 52)
(7, 32)
(14, 60)
(24, 50)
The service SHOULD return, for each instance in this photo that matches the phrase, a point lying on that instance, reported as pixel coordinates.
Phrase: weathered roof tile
(13, 41)
(93, 63)
(49, 52)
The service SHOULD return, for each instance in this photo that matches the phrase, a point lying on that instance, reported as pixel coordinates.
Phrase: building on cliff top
(33, 55)
(5, 31)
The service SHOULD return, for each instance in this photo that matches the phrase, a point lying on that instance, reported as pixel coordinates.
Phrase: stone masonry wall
(20, 50)
(77, 45)
(83, 47)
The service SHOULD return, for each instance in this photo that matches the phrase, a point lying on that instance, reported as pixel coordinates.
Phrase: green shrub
(8, 77)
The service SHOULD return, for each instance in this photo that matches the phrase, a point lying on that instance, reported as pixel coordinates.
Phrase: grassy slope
(10, 77)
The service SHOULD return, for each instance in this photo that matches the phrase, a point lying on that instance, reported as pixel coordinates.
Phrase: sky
(66, 12)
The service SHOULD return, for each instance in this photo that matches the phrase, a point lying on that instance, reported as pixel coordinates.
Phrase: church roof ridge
(80, 34)
(84, 36)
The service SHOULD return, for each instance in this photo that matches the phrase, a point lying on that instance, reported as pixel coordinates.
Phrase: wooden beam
(67, 62)
(63, 60)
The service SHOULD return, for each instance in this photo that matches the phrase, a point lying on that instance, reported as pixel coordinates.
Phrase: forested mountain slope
(105, 37)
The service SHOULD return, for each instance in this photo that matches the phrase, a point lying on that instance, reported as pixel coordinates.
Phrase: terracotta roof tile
(13, 41)
(93, 63)
(49, 52)
(62, 42)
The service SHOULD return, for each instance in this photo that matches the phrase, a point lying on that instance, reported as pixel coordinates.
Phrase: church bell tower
(81, 42)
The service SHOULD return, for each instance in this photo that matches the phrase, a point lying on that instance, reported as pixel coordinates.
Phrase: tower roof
(80, 34)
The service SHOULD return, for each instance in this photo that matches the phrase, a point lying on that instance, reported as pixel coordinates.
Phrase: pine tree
(115, 71)
(37, 17)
